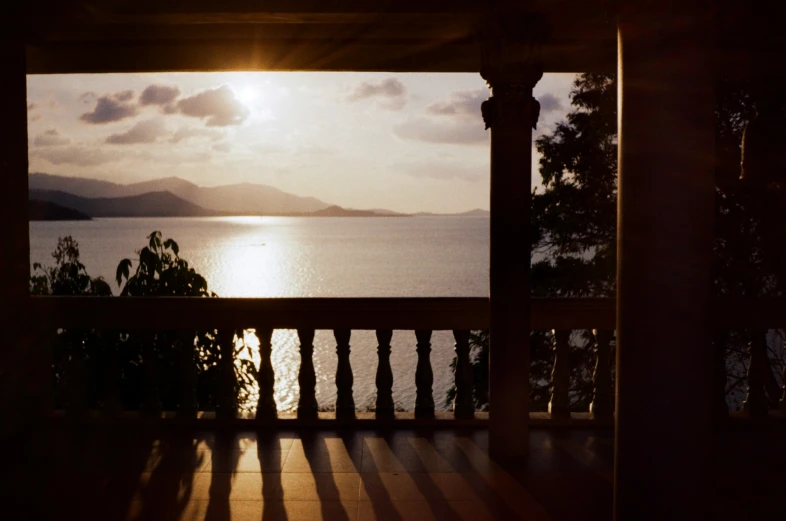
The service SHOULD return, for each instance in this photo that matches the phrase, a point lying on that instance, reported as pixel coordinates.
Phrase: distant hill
(477, 212)
(152, 204)
(237, 199)
(47, 211)
(338, 211)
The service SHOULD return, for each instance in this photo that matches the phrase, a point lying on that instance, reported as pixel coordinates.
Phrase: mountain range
(175, 197)
(237, 199)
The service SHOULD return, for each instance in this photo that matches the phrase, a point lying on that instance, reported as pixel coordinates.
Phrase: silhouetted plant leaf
(123, 270)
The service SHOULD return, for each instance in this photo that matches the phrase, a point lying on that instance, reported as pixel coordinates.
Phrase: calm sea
(310, 257)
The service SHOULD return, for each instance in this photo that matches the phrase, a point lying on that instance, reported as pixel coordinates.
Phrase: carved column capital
(510, 45)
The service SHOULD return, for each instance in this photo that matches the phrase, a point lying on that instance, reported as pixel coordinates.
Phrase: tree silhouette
(573, 231)
(119, 356)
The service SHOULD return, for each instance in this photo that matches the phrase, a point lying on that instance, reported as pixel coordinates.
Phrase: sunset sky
(404, 142)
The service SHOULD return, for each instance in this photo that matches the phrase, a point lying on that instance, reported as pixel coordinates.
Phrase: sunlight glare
(247, 94)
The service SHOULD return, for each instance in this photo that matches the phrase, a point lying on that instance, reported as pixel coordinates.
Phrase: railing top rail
(434, 313)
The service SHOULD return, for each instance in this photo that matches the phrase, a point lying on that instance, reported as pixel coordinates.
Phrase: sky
(403, 142)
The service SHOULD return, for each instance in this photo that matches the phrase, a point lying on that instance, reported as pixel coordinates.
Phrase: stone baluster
(151, 399)
(720, 409)
(559, 406)
(345, 403)
(384, 380)
(188, 404)
(266, 405)
(755, 403)
(307, 379)
(112, 404)
(226, 400)
(424, 376)
(76, 375)
(782, 403)
(602, 405)
(464, 402)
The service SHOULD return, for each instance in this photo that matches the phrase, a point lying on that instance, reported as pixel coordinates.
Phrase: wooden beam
(294, 55)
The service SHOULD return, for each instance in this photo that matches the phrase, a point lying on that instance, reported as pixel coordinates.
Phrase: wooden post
(665, 232)
(266, 405)
(345, 403)
(226, 406)
(602, 405)
(151, 399)
(424, 376)
(464, 403)
(559, 405)
(307, 403)
(511, 68)
(189, 405)
(384, 407)
(15, 261)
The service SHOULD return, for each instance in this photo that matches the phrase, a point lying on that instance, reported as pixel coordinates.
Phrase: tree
(68, 276)
(119, 357)
(574, 228)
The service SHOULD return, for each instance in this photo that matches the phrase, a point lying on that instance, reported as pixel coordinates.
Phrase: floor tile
(322, 487)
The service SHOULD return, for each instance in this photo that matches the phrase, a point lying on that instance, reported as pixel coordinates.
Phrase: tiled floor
(313, 475)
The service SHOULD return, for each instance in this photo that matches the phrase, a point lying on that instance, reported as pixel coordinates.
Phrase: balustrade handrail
(342, 315)
(435, 313)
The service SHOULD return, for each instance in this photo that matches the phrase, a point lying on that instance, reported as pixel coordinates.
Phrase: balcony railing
(382, 315)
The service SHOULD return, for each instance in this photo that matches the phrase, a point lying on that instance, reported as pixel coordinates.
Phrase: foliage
(120, 356)
(574, 231)
(68, 276)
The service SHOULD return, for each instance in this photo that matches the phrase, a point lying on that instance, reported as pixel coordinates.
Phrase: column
(665, 231)
(511, 69)
(25, 376)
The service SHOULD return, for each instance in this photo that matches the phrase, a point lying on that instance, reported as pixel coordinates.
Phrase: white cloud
(442, 132)
(78, 155)
(50, 138)
(455, 120)
(219, 107)
(112, 107)
(159, 95)
(185, 133)
(222, 147)
(148, 131)
(389, 94)
(444, 171)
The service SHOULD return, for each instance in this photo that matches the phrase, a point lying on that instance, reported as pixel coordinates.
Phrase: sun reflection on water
(285, 358)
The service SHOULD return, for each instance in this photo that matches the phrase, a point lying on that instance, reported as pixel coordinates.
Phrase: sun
(247, 94)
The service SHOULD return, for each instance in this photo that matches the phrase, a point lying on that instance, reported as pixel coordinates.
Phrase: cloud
(31, 106)
(549, 103)
(159, 95)
(184, 133)
(219, 107)
(50, 138)
(444, 172)
(222, 147)
(460, 104)
(390, 93)
(455, 120)
(148, 131)
(112, 107)
(439, 132)
(78, 155)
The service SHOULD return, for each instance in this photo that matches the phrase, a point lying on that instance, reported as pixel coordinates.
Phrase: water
(310, 257)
